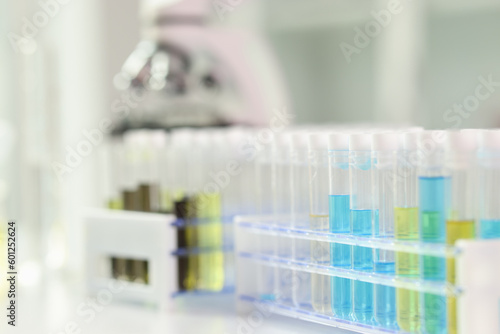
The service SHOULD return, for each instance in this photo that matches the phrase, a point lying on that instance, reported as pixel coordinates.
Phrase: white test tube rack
(150, 237)
(477, 287)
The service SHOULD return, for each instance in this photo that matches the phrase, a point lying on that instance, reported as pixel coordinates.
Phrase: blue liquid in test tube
(362, 260)
(341, 256)
(363, 219)
(490, 229)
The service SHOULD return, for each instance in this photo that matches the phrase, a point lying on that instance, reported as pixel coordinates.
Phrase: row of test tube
(406, 185)
(196, 174)
(152, 170)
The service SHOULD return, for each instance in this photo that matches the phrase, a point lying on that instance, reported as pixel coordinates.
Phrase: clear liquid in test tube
(266, 275)
(318, 219)
(299, 212)
(281, 193)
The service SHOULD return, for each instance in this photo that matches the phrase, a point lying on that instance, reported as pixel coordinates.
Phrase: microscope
(193, 70)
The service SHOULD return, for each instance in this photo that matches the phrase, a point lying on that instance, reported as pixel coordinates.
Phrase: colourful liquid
(210, 237)
(407, 265)
(362, 259)
(115, 204)
(320, 254)
(385, 298)
(167, 198)
(456, 230)
(433, 200)
(187, 238)
(341, 256)
(490, 229)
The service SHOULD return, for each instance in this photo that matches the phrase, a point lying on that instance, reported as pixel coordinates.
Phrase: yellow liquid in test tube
(407, 265)
(210, 237)
(456, 230)
(167, 199)
(187, 235)
(115, 204)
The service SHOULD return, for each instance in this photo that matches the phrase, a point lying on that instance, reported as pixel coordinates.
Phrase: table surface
(58, 306)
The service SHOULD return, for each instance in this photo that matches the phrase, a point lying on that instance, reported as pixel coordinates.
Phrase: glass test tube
(460, 161)
(115, 156)
(202, 202)
(130, 176)
(265, 274)
(407, 229)
(362, 216)
(489, 179)
(318, 219)
(225, 143)
(145, 164)
(384, 150)
(157, 143)
(134, 149)
(184, 209)
(340, 222)
(245, 200)
(281, 200)
(208, 211)
(434, 201)
(167, 176)
(299, 211)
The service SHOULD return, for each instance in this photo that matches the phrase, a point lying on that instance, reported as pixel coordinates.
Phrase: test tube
(318, 219)
(156, 144)
(245, 202)
(208, 212)
(434, 201)
(407, 229)
(340, 222)
(362, 216)
(231, 195)
(489, 192)
(265, 274)
(167, 176)
(299, 211)
(115, 163)
(188, 266)
(281, 193)
(460, 156)
(144, 170)
(384, 150)
(130, 199)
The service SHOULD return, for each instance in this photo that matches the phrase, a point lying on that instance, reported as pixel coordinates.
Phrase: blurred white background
(426, 60)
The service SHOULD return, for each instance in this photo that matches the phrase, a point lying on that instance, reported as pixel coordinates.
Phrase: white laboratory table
(52, 307)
